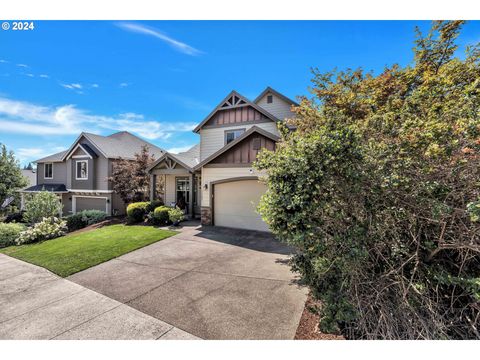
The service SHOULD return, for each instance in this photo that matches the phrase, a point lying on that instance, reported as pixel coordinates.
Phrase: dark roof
(275, 92)
(52, 158)
(89, 150)
(253, 129)
(46, 187)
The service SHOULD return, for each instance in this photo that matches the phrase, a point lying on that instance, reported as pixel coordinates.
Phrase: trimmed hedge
(137, 211)
(9, 233)
(160, 215)
(84, 218)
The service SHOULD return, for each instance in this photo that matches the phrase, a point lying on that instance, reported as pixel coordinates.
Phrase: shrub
(84, 218)
(152, 205)
(175, 215)
(40, 205)
(48, 228)
(136, 211)
(160, 215)
(9, 233)
(378, 191)
(14, 217)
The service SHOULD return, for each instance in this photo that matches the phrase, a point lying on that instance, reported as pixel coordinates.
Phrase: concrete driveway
(211, 282)
(37, 304)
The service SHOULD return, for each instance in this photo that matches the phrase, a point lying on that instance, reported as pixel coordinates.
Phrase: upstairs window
(48, 171)
(269, 99)
(81, 170)
(231, 135)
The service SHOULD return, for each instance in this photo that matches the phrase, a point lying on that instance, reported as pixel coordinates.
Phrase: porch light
(205, 186)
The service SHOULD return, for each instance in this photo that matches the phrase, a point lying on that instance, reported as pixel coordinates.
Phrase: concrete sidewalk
(36, 304)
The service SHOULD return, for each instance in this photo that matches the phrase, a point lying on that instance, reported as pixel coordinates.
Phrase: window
(48, 171)
(269, 99)
(82, 170)
(231, 135)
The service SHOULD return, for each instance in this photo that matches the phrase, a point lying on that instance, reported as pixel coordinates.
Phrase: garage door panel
(84, 203)
(235, 205)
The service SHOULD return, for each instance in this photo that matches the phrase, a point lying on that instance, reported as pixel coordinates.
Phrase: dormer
(81, 162)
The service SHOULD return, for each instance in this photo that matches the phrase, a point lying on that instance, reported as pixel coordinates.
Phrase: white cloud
(30, 75)
(95, 86)
(147, 30)
(30, 154)
(123, 84)
(3, 61)
(22, 65)
(44, 76)
(27, 118)
(176, 150)
(73, 86)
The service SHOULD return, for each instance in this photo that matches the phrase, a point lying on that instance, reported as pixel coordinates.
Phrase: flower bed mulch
(308, 326)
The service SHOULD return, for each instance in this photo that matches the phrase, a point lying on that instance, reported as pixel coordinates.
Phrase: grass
(72, 253)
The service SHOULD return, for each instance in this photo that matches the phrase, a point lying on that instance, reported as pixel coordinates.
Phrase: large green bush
(40, 205)
(152, 205)
(160, 215)
(84, 218)
(136, 211)
(9, 233)
(378, 190)
(175, 215)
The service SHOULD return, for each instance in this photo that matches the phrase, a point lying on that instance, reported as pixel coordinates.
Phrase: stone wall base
(206, 215)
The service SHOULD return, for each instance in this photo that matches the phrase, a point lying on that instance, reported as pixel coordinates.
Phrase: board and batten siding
(279, 107)
(212, 140)
(213, 174)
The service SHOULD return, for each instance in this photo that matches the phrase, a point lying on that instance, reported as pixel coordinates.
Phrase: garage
(235, 203)
(81, 203)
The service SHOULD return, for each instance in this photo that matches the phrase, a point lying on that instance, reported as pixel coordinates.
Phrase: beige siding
(169, 189)
(279, 107)
(212, 140)
(214, 174)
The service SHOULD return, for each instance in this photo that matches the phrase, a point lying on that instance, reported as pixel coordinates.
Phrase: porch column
(190, 205)
(153, 186)
(22, 201)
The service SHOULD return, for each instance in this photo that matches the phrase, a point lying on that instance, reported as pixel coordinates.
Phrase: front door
(182, 194)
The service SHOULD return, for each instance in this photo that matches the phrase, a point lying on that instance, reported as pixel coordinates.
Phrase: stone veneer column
(206, 215)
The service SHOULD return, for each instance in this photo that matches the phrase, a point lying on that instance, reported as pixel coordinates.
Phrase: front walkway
(36, 304)
(214, 283)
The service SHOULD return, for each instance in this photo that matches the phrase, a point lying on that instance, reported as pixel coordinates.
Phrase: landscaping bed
(308, 326)
(81, 250)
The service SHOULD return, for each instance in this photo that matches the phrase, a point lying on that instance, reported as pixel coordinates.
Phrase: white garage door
(90, 203)
(235, 203)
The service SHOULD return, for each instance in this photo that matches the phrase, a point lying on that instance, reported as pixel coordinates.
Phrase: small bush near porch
(72, 253)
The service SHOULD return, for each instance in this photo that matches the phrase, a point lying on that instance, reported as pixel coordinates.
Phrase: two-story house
(79, 175)
(215, 178)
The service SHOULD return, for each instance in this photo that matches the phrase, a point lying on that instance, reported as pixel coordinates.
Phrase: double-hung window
(81, 170)
(48, 171)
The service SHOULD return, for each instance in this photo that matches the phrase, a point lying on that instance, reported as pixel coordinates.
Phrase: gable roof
(188, 159)
(118, 145)
(268, 89)
(253, 129)
(52, 158)
(225, 104)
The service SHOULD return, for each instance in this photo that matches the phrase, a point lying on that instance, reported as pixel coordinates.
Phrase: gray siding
(87, 184)
(59, 174)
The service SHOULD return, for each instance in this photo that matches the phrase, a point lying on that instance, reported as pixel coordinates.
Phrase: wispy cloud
(123, 85)
(44, 76)
(23, 65)
(27, 118)
(34, 153)
(73, 86)
(95, 86)
(3, 61)
(30, 75)
(150, 31)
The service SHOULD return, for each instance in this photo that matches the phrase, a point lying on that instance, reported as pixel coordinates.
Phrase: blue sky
(158, 79)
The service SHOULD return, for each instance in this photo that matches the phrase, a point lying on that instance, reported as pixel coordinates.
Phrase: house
(215, 178)
(79, 175)
(30, 175)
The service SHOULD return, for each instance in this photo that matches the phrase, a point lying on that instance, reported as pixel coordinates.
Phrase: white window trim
(45, 168)
(76, 169)
(233, 130)
(75, 149)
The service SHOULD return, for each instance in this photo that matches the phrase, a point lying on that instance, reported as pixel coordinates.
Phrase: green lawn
(72, 253)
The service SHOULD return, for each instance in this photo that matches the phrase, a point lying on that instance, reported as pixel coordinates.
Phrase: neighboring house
(215, 178)
(79, 175)
(31, 176)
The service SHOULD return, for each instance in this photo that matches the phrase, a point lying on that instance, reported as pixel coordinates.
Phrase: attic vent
(269, 99)
(256, 144)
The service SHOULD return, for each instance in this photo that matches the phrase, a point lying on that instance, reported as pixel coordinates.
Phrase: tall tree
(130, 178)
(11, 178)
